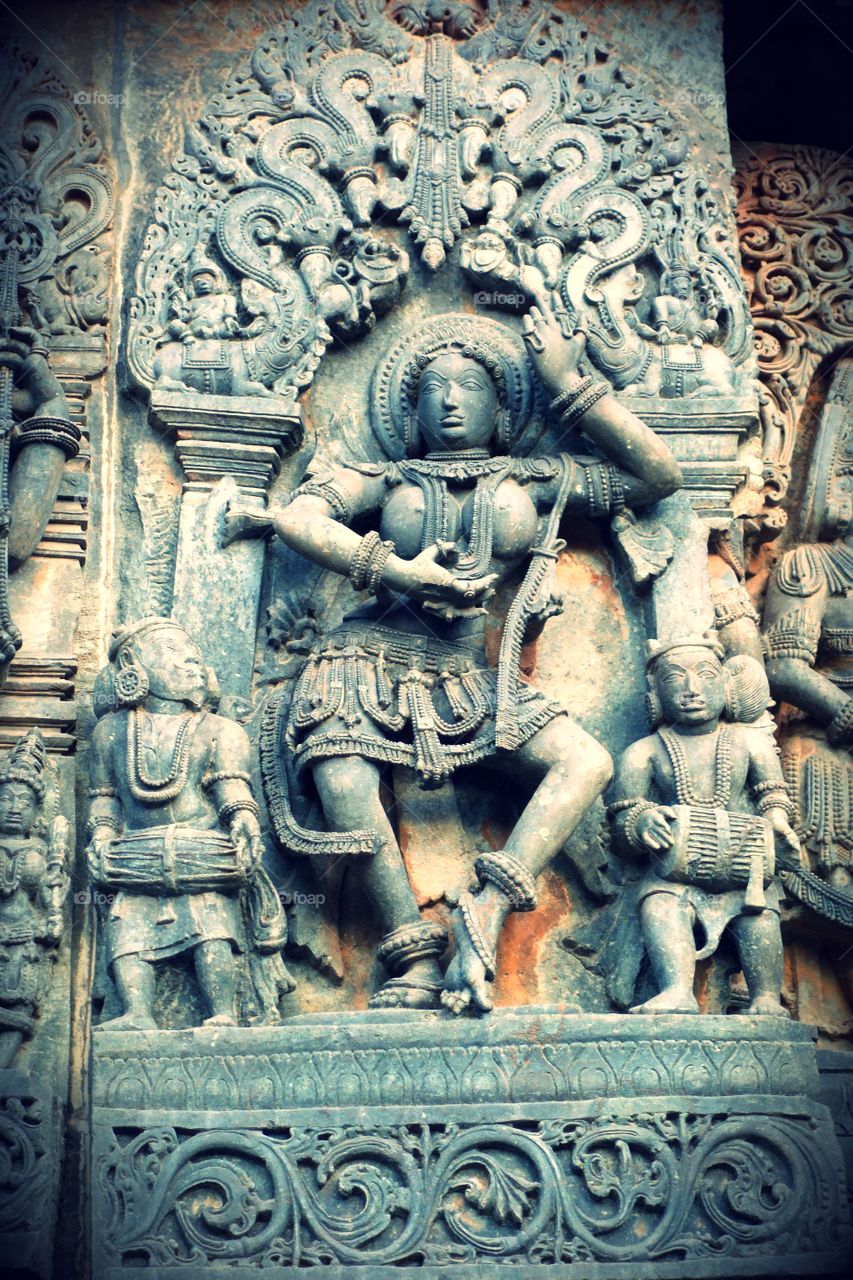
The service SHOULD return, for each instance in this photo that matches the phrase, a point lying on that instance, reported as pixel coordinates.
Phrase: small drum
(719, 851)
(173, 860)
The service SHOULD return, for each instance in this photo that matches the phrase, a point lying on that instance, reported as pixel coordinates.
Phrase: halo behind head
(393, 389)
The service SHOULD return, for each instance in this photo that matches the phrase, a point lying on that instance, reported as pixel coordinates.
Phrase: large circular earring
(131, 686)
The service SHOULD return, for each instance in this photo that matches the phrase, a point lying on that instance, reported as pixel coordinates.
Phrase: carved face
(457, 404)
(690, 686)
(18, 808)
(204, 282)
(680, 285)
(174, 667)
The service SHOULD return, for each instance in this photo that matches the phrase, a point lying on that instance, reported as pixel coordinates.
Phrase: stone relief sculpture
(808, 635)
(174, 833)
(446, 286)
(34, 879)
(53, 288)
(681, 804)
(405, 678)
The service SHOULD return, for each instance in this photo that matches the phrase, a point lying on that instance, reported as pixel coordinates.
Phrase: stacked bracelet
(573, 407)
(566, 399)
(376, 567)
(631, 834)
(510, 876)
(102, 820)
(368, 563)
(776, 800)
(226, 811)
(361, 560)
(62, 433)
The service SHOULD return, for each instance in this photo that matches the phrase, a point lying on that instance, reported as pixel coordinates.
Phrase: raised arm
(649, 470)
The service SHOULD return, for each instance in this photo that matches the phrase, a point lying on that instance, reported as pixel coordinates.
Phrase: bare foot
(471, 969)
(129, 1022)
(220, 1020)
(768, 1007)
(418, 988)
(671, 1000)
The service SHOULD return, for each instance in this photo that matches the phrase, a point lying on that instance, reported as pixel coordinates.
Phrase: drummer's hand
(782, 829)
(99, 845)
(246, 834)
(654, 830)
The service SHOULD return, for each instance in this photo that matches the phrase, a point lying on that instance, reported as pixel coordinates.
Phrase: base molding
(550, 1170)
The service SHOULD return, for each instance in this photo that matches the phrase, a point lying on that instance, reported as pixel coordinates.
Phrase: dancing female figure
(404, 679)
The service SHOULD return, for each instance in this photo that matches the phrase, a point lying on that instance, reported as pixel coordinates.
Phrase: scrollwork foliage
(652, 1186)
(796, 243)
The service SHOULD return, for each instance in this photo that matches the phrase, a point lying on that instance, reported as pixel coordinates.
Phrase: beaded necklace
(684, 789)
(431, 475)
(144, 787)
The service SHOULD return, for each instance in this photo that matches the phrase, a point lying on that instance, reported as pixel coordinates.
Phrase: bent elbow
(669, 478)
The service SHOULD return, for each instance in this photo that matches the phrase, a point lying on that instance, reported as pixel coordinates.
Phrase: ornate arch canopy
(502, 136)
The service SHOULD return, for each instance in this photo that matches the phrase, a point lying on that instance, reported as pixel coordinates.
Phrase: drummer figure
(696, 763)
(167, 773)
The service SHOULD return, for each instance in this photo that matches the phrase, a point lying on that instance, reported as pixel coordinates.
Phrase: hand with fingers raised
(554, 343)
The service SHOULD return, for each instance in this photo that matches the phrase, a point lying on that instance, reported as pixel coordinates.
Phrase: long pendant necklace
(432, 474)
(684, 789)
(144, 787)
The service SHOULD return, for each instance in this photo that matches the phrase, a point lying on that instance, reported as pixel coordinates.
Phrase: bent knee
(597, 765)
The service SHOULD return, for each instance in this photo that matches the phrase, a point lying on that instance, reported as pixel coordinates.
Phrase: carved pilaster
(227, 446)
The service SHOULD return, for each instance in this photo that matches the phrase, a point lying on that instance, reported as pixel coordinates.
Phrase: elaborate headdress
(655, 649)
(200, 263)
(130, 631)
(500, 351)
(25, 763)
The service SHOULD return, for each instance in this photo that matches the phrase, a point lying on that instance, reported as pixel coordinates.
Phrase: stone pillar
(228, 446)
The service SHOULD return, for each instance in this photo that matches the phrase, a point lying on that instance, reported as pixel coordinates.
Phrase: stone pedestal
(228, 446)
(550, 1143)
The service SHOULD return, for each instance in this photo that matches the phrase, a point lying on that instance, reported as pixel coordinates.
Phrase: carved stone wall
(303, 658)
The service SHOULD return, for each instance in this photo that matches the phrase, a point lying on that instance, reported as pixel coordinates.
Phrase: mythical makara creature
(455, 512)
(34, 882)
(174, 832)
(682, 802)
